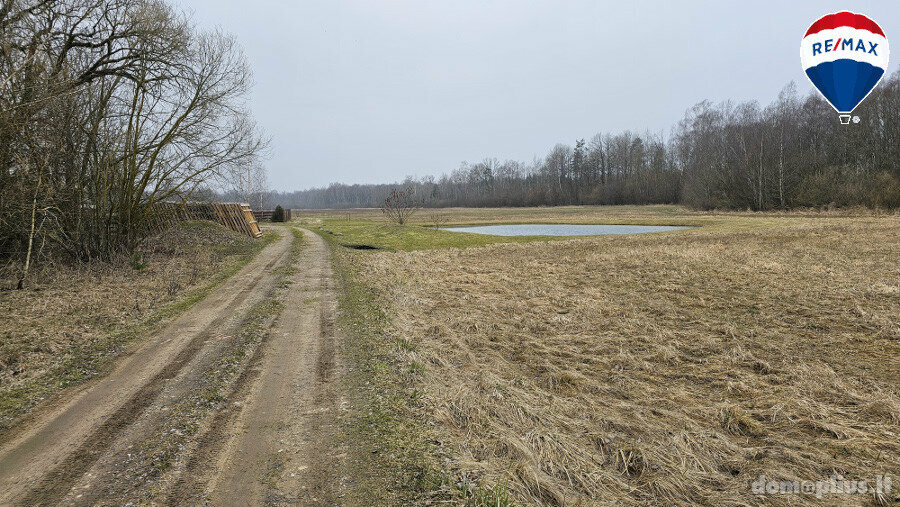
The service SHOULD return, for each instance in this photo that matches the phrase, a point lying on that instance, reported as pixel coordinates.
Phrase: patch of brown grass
(665, 369)
(66, 308)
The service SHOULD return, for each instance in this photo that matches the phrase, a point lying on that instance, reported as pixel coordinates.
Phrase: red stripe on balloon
(837, 20)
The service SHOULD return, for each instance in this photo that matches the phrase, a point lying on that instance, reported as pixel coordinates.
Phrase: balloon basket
(845, 119)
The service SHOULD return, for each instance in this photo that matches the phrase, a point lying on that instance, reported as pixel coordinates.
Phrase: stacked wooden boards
(236, 216)
(250, 220)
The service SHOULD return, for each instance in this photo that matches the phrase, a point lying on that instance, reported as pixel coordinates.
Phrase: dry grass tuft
(738, 421)
(667, 369)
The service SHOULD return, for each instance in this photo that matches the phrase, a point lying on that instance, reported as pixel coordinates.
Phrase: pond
(563, 229)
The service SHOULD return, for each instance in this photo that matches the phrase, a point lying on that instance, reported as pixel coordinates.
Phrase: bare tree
(259, 187)
(106, 108)
(400, 205)
(438, 219)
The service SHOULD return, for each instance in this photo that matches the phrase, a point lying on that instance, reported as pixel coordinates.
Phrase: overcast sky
(366, 91)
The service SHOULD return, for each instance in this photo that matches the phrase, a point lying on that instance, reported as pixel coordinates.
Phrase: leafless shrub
(400, 205)
(438, 219)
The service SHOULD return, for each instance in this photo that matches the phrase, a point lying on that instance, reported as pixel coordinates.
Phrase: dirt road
(130, 436)
(280, 449)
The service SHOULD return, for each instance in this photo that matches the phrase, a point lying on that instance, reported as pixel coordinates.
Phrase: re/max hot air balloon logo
(845, 55)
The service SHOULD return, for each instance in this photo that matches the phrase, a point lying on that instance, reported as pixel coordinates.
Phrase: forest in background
(791, 153)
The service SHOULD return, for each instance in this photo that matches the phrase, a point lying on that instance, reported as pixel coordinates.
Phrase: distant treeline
(794, 152)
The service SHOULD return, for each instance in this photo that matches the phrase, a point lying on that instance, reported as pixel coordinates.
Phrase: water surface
(562, 229)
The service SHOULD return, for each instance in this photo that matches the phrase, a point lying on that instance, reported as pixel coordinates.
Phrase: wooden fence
(237, 217)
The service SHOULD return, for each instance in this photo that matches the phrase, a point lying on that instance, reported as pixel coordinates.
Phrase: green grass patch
(366, 230)
(363, 234)
(391, 461)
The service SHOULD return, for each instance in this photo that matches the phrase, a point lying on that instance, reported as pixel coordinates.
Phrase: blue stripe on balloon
(845, 83)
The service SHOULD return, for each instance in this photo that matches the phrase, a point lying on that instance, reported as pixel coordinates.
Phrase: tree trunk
(21, 284)
(781, 167)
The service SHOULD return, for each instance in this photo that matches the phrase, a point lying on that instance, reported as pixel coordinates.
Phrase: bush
(831, 185)
(400, 205)
(278, 214)
(137, 261)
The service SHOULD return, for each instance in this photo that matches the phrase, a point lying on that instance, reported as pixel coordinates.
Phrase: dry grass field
(672, 368)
